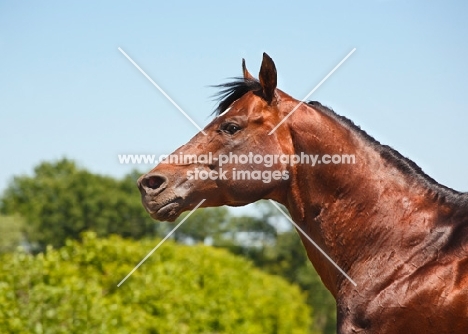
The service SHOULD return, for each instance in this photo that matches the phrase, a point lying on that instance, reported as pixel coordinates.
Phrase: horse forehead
(243, 103)
(231, 107)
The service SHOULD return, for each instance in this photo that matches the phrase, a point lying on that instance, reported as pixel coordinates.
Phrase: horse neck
(352, 211)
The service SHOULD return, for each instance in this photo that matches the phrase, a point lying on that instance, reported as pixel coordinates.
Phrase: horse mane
(234, 90)
(402, 163)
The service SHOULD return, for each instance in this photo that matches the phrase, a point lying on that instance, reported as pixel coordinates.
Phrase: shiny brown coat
(401, 236)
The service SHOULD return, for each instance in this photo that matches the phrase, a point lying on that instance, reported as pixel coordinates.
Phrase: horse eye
(230, 128)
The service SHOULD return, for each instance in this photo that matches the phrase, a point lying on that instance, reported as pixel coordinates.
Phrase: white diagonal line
(313, 243)
(313, 90)
(160, 243)
(162, 91)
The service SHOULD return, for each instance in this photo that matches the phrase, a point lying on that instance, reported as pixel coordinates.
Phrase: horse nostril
(154, 181)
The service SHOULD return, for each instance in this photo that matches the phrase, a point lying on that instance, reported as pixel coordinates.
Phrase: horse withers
(401, 236)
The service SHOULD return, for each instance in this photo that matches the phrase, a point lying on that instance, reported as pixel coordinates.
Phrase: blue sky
(66, 90)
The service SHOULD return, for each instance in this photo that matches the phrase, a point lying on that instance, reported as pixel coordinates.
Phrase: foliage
(179, 289)
(203, 224)
(11, 233)
(219, 227)
(62, 200)
(287, 257)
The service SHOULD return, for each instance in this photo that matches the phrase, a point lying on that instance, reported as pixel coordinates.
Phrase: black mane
(234, 90)
(402, 163)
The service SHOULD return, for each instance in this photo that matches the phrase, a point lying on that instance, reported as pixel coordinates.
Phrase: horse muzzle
(160, 201)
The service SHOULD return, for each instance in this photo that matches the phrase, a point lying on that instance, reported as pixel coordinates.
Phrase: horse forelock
(232, 91)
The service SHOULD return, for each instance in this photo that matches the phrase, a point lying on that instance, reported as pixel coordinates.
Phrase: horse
(401, 236)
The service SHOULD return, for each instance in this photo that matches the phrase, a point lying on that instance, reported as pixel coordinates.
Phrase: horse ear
(247, 75)
(268, 78)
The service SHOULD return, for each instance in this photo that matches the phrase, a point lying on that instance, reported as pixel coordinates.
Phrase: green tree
(61, 200)
(202, 224)
(179, 289)
(11, 233)
(220, 227)
(286, 256)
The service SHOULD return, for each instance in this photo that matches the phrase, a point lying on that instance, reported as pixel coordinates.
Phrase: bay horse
(400, 235)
